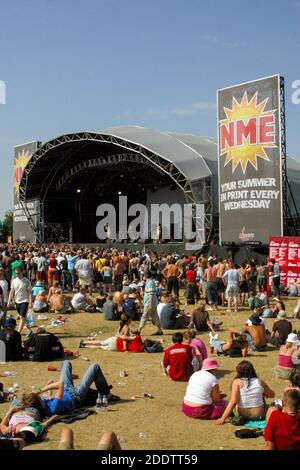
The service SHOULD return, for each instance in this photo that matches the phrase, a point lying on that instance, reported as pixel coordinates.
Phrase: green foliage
(6, 229)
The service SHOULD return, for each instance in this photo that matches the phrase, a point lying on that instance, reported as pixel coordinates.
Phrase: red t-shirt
(191, 275)
(179, 358)
(284, 431)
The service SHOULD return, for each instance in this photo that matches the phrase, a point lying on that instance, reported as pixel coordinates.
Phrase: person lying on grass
(67, 396)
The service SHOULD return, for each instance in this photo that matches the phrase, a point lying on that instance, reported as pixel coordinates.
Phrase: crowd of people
(127, 286)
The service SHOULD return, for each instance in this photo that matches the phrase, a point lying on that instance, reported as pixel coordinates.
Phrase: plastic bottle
(104, 403)
(98, 402)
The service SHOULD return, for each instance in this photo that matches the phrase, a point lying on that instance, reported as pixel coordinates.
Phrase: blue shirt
(150, 289)
(233, 277)
(71, 261)
(36, 290)
(55, 406)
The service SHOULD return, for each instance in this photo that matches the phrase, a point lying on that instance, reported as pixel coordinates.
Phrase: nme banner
(286, 250)
(22, 231)
(249, 157)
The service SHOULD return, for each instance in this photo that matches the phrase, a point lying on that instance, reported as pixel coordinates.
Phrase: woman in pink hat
(203, 399)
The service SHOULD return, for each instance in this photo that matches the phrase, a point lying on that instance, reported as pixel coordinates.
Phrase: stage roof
(194, 157)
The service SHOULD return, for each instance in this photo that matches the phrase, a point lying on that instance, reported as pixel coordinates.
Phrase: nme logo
(2, 92)
(246, 132)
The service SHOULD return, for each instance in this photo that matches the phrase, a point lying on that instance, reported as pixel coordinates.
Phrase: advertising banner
(286, 251)
(249, 158)
(22, 230)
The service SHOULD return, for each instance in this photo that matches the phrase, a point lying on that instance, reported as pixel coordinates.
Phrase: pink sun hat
(210, 364)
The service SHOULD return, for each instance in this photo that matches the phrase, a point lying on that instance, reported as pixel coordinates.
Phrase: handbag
(248, 433)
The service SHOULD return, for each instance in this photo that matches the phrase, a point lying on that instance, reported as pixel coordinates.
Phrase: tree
(7, 227)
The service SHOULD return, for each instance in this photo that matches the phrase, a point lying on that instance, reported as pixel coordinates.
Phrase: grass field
(160, 420)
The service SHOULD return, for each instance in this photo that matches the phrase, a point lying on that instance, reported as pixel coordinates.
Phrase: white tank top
(251, 394)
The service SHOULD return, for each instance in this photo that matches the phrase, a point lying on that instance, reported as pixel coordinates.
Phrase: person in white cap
(289, 355)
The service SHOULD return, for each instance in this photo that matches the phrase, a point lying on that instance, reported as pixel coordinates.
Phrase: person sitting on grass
(203, 399)
(248, 394)
(43, 346)
(37, 289)
(281, 329)
(283, 427)
(54, 289)
(59, 303)
(81, 302)
(40, 304)
(254, 300)
(200, 320)
(110, 309)
(12, 340)
(171, 317)
(108, 441)
(256, 333)
(100, 301)
(177, 362)
(236, 346)
(288, 358)
(197, 346)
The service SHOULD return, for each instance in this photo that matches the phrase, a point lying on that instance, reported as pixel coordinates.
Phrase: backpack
(248, 433)
(152, 346)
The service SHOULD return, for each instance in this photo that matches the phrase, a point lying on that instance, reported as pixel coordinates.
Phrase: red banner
(286, 251)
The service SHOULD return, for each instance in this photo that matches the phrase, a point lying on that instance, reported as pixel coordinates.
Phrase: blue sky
(73, 65)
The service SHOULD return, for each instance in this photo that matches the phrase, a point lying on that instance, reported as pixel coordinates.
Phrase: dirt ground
(144, 423)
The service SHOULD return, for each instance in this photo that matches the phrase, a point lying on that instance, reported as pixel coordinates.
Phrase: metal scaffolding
(199, 192)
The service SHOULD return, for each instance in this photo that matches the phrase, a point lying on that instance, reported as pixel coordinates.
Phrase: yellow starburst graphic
(246, 132)
(20, 163)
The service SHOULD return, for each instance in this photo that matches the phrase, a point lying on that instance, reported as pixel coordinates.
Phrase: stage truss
(199, 192)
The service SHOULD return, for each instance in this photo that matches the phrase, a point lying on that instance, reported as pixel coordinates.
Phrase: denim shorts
(22, 309)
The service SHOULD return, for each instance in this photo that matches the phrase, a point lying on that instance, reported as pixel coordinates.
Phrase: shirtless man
(221, 268)
(256, 334)
(59, 303)
(210, 275)
(172, 273)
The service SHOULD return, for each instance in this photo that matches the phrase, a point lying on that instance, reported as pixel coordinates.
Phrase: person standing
(17, 263)
(22, 295)
(85, 273)
(191, 286)
(210, 275)
(150, 305)
(41, 263)
(72, 259)
(172, 273)
(275, 276)
(3, 295)
(233, 277)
